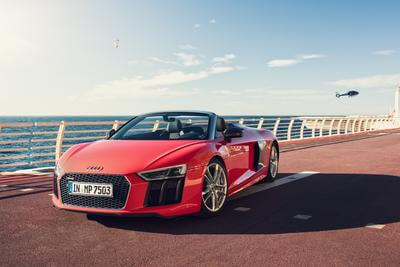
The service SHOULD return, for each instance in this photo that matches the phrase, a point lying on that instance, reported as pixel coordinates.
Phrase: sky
(231, 57)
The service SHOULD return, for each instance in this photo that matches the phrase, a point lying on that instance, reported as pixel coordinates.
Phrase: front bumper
(137, 202)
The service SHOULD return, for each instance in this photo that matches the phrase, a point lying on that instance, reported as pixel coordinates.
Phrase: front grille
(120, 191)
(164, 192)
(55, 189)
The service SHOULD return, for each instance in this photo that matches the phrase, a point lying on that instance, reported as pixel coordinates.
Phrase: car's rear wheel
(215, 189)
(273, 164)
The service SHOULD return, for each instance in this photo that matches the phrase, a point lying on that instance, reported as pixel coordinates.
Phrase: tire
(214, 190)
(273, 164)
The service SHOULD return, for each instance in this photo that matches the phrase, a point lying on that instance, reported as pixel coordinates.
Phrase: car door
(237, 159)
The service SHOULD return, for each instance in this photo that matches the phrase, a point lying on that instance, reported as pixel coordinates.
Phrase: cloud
(278, 63)
(279, 95)
(387, 52)
(225, 92)
(154, 85)
(212, 21)
(196, 26)
(374, 81)
(187, 47)
(273, 95)
(159, 84)
(159, 60)
(189, 59)
(225, 59)
(222, 69)
(312, 56)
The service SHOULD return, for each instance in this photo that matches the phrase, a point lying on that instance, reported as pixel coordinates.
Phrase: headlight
(164, 173)
(58, 170)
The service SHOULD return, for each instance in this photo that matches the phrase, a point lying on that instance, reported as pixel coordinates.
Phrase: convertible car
(166, 164)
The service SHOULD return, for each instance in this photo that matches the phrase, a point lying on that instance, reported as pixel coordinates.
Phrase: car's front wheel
(215, 189)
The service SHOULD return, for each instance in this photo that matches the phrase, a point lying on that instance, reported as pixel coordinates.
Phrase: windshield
(165, 127)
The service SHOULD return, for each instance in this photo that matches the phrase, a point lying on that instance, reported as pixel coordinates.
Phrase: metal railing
(25, 145)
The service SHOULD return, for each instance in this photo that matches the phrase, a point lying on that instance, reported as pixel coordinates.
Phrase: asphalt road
(318, 217)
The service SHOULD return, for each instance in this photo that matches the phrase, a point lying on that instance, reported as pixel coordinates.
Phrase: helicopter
(350, 93)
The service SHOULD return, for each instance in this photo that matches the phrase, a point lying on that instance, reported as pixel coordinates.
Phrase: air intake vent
(120, 191)
(164, 192)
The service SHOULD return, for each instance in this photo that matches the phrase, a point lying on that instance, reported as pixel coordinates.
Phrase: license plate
(90, 189)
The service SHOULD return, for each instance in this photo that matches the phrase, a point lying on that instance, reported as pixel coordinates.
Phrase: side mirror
(111, 133)
(233, 132)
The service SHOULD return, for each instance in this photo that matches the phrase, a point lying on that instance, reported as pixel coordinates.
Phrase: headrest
(175, 126)
(221, 125)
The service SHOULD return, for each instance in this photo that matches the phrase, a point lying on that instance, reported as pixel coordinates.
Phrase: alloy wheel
(215, 187)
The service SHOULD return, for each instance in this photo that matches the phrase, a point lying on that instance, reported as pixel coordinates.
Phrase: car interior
(174, 129)
(177, 129)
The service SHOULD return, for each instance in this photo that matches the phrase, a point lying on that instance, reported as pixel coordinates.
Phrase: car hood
(121, 156)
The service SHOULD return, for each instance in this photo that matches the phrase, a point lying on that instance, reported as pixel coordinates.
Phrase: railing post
(346, 130)
(353, 126)
(372, 124)
(366, 124)
(115, 125)
(59, 141)
(278, 120)
(156, 125)
(241, 121)
(339, 127)
(303, 124)
(289, 132)
(331, 127)
(359, 124)
(321, 128)
(379, 123)
(313, 129)
(260, 123)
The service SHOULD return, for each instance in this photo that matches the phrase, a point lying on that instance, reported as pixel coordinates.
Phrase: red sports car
(167, 164)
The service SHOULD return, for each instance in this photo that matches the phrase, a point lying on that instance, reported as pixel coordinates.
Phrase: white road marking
(50, 194)
(26, 189)
(261, 187)
(375, 226)
(242, 209)
(3, 185)
(302, 217)
(377, 133)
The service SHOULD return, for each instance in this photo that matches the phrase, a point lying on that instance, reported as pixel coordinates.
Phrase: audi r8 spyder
(167, 164)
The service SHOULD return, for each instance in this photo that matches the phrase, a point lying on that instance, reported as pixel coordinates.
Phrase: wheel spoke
(216, 173)
(214, 200)
(207, 197)
(221, 192)
(273, 170)
(208, 176)
(206, 191)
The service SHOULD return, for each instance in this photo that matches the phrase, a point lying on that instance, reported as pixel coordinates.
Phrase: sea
(35, 155)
